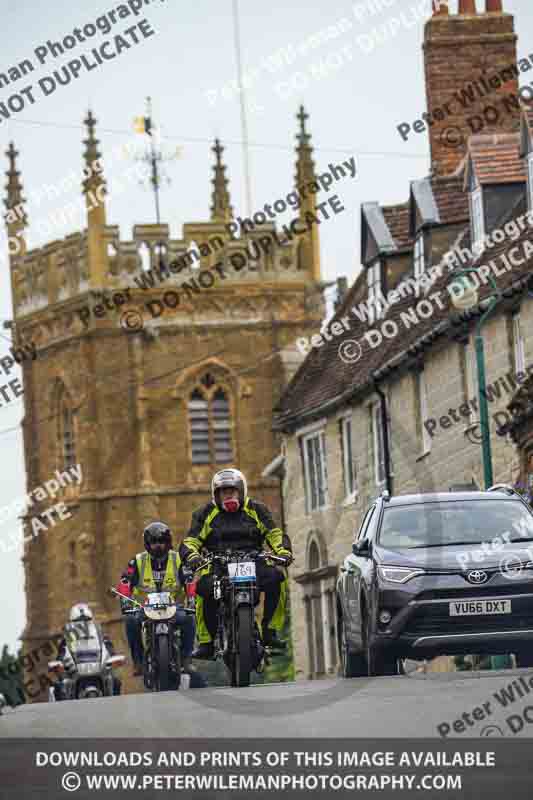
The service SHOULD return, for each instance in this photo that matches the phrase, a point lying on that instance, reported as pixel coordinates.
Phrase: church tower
(146, 395)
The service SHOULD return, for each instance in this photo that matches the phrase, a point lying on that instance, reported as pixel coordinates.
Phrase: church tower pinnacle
(94, 189)
(16, 220)
(305, 174)
(221, 210)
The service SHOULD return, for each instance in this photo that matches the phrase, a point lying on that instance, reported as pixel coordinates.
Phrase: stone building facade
(406, 362)
(150, 410)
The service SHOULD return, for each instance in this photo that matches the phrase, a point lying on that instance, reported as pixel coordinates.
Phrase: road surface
(400, 706)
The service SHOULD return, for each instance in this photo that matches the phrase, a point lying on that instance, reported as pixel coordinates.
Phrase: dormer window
(374, 292)
(419, 261)
(477, 220)
(530, 180)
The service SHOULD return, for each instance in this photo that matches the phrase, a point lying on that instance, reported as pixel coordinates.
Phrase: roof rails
(385, 495)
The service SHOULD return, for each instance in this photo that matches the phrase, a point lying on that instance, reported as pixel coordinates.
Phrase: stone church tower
(149, 414)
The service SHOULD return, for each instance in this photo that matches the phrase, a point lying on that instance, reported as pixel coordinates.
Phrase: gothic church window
(210, 423)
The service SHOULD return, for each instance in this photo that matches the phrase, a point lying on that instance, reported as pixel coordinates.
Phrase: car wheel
(378, 662)
(524, 660)
(352, 665)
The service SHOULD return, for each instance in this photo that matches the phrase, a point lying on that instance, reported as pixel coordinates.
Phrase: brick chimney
(461, 53)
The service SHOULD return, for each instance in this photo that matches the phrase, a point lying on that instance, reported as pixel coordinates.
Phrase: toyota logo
(477, 576)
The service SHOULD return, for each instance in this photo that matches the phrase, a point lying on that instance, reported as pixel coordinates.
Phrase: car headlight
(399, 574)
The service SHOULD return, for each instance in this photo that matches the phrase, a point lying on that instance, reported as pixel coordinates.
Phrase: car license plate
(241, 571)
(461, 608)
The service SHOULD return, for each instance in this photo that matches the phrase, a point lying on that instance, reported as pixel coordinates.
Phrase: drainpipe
(385, 426)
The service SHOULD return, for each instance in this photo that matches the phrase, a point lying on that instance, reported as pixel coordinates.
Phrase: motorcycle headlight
(399, 574)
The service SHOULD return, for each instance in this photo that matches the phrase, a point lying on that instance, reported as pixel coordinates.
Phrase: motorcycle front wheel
(163, 664)
(242, 662)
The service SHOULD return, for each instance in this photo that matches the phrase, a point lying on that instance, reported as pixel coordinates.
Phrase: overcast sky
(371, 87)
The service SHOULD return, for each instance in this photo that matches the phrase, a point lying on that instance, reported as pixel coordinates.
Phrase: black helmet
(157, 532)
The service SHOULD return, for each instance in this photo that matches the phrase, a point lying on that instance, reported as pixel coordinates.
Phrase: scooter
(86, 670)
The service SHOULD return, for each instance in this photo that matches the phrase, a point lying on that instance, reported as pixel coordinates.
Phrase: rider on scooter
(79, 615)
(232, 520)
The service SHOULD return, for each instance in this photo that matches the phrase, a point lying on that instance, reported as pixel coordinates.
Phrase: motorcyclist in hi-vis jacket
(155, 569)
(234, 521)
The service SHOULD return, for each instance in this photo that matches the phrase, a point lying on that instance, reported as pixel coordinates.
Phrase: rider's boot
(138, 668)
(206, 650)
(270, 639)
(186, 663)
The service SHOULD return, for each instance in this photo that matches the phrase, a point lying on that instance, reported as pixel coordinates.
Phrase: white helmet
(80, 612)
(232, 478)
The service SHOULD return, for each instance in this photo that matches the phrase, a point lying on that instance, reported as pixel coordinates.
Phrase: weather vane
(154, 155)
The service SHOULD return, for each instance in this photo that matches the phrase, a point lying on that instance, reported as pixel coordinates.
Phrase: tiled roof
(325, 380)
(495, 158)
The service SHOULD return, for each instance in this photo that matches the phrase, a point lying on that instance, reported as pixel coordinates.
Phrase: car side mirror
(361, 548)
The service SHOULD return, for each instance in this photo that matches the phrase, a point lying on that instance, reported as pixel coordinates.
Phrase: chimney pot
(440, 7)
(494, 7)
(467, 7)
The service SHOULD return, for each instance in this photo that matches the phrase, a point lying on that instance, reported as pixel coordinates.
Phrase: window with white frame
(378, 442)
(374, 292)
(418, 256)
(530, 179)
(348, 466)
(519, 356)
(315, 471)
(471, 381)
(423, 410)
(478, 223)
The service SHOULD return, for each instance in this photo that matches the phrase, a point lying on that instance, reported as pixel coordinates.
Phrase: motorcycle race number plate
(158, 598)
(241, 571)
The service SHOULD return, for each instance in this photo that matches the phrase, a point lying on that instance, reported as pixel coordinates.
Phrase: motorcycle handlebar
(141, 605)
(225, 557)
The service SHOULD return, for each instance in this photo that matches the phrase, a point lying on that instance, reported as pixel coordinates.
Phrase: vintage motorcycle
(86, 671)
(161, 638)
(238, 641)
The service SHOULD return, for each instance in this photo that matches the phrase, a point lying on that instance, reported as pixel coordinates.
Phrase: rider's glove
(287, 558)
(124, 588)
(194, 561)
